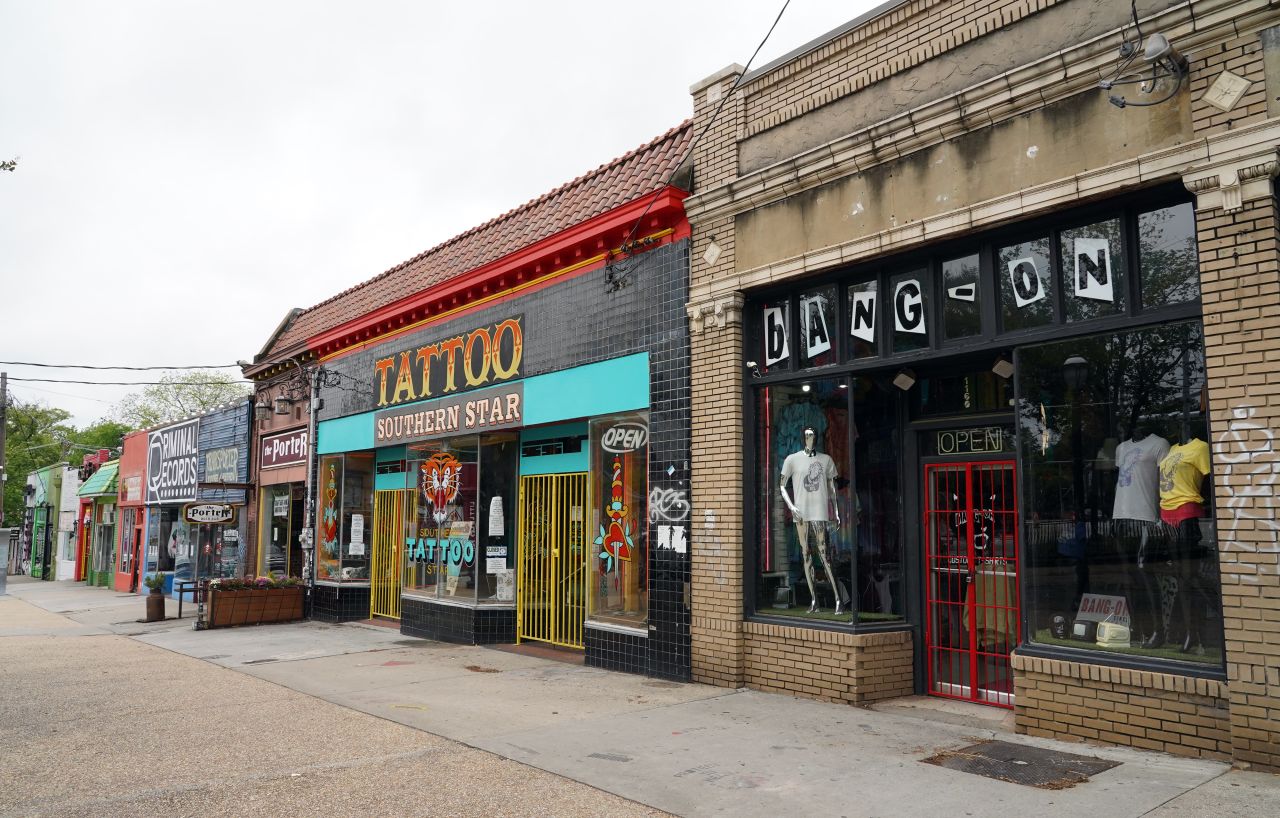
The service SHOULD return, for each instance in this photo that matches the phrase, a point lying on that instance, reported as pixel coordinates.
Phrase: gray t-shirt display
(1137, 484)
(810, 476)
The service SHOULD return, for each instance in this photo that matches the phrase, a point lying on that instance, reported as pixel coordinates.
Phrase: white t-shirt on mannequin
(810, 476)
(1137, 484)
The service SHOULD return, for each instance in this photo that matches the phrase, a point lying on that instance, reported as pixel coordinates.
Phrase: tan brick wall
(1152, 711)
(1240, 280)
(829, 666)
(1241, 56)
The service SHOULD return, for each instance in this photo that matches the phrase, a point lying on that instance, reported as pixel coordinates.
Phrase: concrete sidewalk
(683, 748)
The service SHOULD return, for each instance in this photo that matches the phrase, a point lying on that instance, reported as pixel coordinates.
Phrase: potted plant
(155, 599)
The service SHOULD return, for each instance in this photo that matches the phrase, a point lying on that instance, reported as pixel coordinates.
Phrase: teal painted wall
(554, 463)
(350, 434)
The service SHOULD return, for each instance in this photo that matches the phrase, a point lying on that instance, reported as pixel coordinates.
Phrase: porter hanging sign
(173, 463)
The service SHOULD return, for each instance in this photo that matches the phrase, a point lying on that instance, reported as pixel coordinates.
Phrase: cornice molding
(1230, 184)
(716, 313)
(1068, 72)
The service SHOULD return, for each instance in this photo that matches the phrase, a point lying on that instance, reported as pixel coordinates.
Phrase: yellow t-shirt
(1181, 472)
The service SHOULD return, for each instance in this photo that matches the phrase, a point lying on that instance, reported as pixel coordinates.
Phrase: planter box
(256, 607)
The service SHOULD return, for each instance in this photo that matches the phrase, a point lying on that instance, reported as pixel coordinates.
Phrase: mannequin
(1182, 474)
(1136, 513)
(813, 479)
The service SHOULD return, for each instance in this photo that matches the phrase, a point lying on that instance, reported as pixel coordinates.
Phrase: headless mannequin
(1136, 517)
(812, 476)
(1183, 473)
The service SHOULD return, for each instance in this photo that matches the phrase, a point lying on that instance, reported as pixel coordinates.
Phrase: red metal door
(971, 581)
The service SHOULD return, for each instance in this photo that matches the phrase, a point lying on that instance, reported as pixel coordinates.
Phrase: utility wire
(133, 383)
(131, 368)
(714, 116)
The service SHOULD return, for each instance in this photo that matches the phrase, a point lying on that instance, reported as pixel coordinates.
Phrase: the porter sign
(173, 463)
(285, 449)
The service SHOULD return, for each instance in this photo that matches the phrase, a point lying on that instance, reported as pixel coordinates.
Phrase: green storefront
(45, 490)
(98, 516)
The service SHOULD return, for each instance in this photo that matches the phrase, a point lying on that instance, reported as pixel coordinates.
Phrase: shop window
(618, 528)
(805, 508)
(961, 297)
(969, 392)
(128, 516)
(441, 551)
(864, 319)
(1120, 545)
(276, 521)
(344, 517)
(176, 544)
(873, 507)
(496, 562)
(1094, 270)
(1167, 251)
(1026, 299)
(818, 321)
(909, 310)
(773, 350)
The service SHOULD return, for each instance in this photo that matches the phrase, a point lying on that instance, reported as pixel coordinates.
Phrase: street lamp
(1075, 371)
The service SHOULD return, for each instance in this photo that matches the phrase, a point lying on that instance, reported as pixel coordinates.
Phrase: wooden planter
(256, 607)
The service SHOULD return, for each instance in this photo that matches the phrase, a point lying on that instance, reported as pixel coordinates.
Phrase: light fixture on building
(1159, 55)
(905, 379)
(1075, 371)
(804, 387)
(755, 368)
(261, 410)
(283, 405)
(1003, 367)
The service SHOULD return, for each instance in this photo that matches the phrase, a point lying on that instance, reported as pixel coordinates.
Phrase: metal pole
(4, 422)
(308, 550)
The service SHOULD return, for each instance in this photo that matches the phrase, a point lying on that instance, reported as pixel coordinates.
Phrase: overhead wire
(130, 368)
(231, 382)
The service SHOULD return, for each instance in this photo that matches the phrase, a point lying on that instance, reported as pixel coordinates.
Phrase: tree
(35, 437)
(178, 396)
(104, 434)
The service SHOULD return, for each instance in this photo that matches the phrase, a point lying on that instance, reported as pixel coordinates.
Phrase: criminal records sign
(173, 463)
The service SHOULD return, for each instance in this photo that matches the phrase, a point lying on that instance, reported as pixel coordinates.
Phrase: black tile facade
(330, 603)
(457, 623)
(637, 305)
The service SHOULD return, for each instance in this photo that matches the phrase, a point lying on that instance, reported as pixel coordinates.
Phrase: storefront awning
(102, 482)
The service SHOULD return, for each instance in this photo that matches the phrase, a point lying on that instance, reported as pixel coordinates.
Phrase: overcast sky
(189, 171)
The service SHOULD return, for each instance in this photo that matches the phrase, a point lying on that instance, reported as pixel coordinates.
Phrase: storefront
(68, 506)
(131, 513)
(502, 427)
(281, 510)
(999, 347)
(40, 538)
(196, 478)
(98, 519)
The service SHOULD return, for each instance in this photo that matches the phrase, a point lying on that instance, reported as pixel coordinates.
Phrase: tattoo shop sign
(467, 361)
(173, 463)
(490, 410)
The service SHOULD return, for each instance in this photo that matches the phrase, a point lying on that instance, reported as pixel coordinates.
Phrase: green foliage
(155, 582)
(36, 436)
(178, 396)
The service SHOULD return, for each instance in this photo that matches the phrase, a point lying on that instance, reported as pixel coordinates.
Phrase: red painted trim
(563, 250)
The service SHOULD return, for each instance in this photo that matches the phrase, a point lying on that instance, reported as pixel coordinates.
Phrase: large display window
(441, 549)
(280, 520)
(344, 517)
(1120, 550)
(618, 526)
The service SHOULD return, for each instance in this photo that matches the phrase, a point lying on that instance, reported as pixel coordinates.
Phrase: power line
(131, 368)
(231, 382)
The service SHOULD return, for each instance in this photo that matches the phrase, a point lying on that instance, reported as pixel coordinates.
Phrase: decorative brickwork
(1241, 56)
(1151, 711)
(827, 665)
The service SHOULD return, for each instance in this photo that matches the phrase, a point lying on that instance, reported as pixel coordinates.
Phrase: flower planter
(253, 607)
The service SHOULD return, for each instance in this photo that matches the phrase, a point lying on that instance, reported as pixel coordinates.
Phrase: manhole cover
(1020, 764)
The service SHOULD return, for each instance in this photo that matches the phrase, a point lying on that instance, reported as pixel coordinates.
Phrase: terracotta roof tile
(630, 176)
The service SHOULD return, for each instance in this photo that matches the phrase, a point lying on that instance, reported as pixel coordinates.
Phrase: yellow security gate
(551, 584)
(388, 545)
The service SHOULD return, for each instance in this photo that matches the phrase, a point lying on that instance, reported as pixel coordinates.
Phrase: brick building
(501, 442)
(1004, 356)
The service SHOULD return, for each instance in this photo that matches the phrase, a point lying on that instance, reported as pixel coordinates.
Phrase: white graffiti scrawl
(668, 505)
(1247, 449)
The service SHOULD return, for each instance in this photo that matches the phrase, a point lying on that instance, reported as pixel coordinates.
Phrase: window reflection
(1167, 247)
(1094, 272)
(1026, 299)
(961, 299)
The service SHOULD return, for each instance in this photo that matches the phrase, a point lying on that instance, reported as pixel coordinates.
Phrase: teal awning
(102, 482)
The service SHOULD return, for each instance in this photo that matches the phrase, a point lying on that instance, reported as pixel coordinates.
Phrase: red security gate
(971, 582)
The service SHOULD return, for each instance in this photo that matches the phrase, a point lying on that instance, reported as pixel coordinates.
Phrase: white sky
(189, 171)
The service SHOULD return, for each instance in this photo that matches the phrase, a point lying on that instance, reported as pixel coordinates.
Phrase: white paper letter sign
(963, 292)
(1025, 278)
(775, 335)
(1093, 270)
(817, 338)
(864, 317)
(908, 307)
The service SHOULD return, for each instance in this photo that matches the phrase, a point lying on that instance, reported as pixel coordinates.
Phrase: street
(106, 716)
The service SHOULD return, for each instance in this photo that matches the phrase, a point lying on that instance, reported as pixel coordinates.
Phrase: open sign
(625, 437)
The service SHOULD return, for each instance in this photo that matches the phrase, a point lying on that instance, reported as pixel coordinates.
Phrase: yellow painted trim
(482, 301)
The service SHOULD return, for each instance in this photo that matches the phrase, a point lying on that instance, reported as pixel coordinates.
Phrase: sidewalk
(686, 749)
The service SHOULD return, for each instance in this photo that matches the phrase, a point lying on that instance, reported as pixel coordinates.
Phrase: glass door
(971, 582)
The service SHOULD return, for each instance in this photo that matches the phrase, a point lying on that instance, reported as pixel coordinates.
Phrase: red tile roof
(629, 177)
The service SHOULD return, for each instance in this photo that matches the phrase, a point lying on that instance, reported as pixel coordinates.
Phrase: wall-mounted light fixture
(1003, 367)
(283, 405)
(754, 368)
(261, 409)
(1159, 55)
(905, 379)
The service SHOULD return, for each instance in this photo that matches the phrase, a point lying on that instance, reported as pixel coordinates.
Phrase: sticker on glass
(817, 338)
(863, 325)
(775, 335)
(1093, 270)
(908, 307)
(1025, 278)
